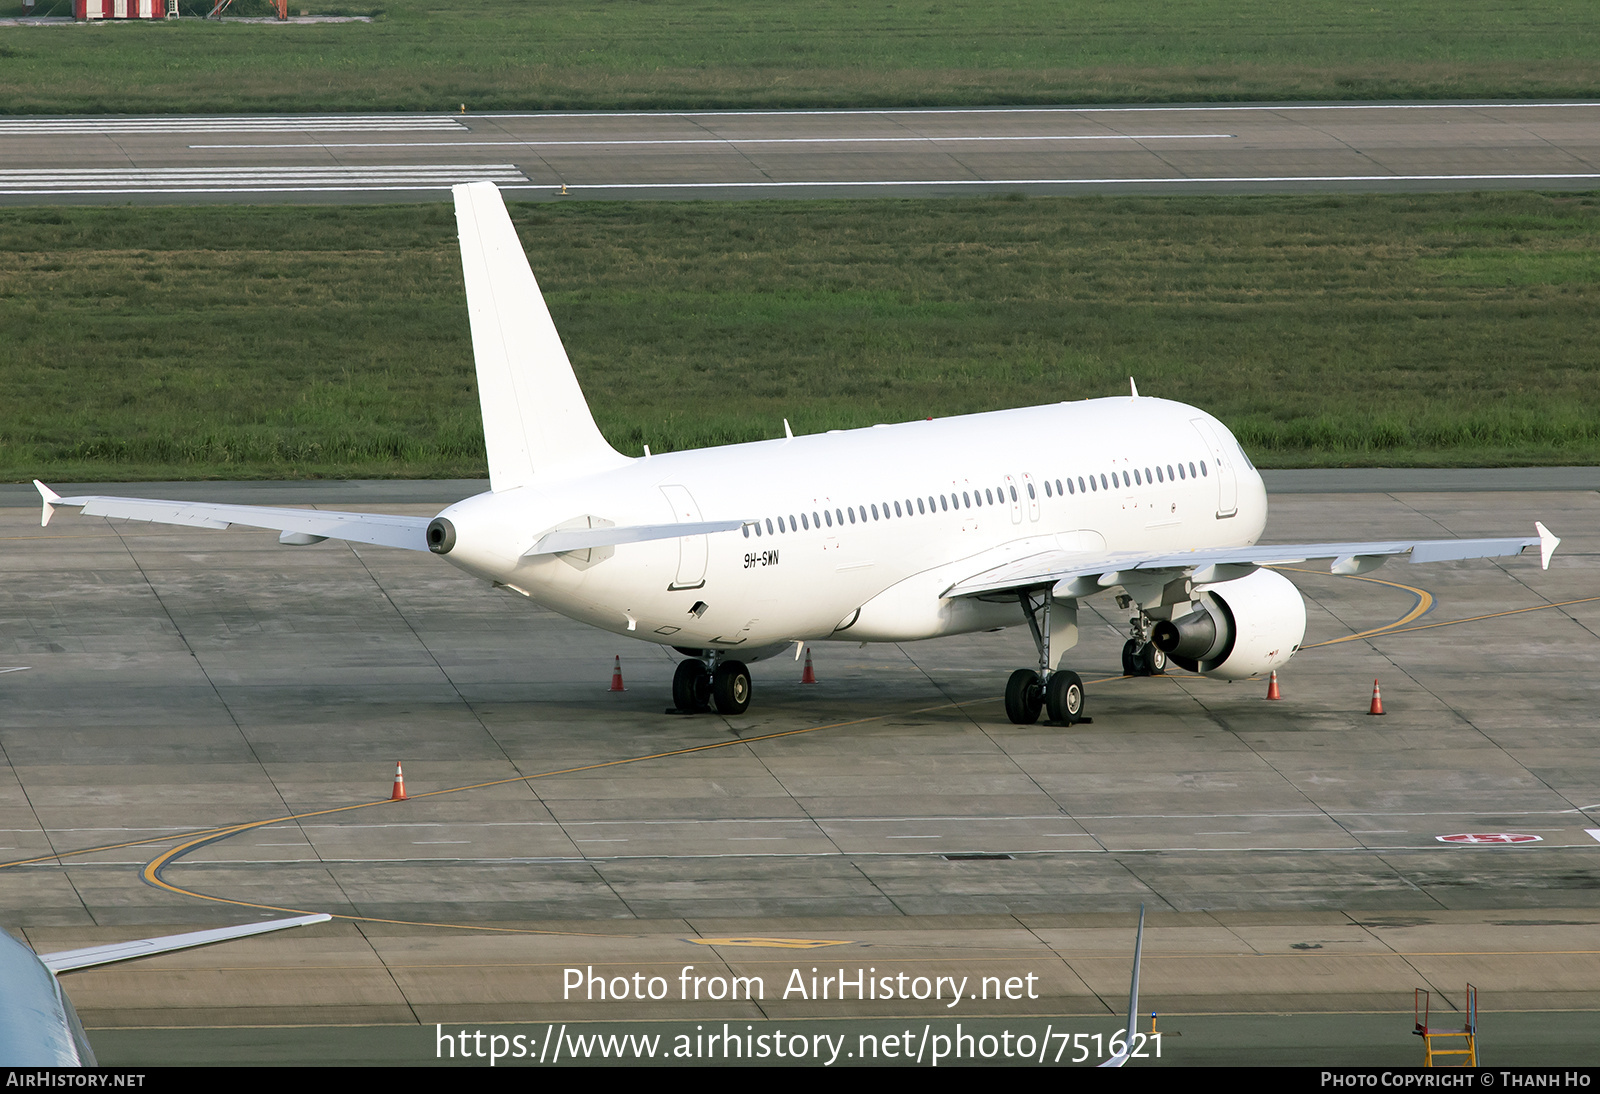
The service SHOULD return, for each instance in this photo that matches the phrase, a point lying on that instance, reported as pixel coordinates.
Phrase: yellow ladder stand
(1468, 1033)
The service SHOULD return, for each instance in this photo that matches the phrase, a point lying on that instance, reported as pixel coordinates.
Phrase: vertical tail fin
(535, 418)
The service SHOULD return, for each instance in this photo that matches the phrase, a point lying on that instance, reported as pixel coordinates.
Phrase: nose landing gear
(1140, 657)
(696, 688)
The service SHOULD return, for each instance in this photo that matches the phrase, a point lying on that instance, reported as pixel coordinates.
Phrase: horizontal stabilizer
(67, 960)
(381, 529)
(578, 539)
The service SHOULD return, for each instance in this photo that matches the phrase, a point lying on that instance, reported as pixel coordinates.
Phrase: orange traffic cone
(1272, 687)
(1377, 700)
(399, 794)
(808, 677)
(616, 676)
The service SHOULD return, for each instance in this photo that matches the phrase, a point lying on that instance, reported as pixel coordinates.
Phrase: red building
(119, 9)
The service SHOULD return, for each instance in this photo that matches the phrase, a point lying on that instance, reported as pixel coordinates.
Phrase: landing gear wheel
(1063, 696)
(1152, 662)
(730, 688)
(1024, 697)
(691, 687)
(1130, 659)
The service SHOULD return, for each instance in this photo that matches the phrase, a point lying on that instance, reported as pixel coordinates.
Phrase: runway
(1187, 149)
(201, 727)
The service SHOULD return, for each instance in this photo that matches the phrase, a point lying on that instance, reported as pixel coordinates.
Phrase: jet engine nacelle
(1244, 627)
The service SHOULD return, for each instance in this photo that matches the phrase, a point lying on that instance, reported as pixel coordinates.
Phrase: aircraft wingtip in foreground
(38, 1025)
(888, 534)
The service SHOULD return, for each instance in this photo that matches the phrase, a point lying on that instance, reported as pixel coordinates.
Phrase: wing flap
(380, 529)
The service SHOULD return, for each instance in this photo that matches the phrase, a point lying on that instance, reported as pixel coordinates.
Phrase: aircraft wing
(67, 960)
(1120, 1058)
(1074, 574)
(299, 526)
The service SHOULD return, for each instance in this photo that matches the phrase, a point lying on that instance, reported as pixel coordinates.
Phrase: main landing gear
(696, 687)
(1029, 693)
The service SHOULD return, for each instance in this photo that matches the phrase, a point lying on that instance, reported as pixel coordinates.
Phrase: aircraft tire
(1152, 662)
(691, 687)
(1063, 696)
(730, 688)
(1024, 697)
(1130, 659)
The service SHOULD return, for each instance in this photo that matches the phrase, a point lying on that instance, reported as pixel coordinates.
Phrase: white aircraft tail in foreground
(889, 534)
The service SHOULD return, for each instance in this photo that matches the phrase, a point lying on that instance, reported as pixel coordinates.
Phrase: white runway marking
(233, 180)
(346, 123)
(745, 140)
(1152, 108)
(1594, 832)
(1178, 180)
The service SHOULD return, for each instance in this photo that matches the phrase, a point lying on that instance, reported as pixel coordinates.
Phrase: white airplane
(888, 534)
(38, 1025)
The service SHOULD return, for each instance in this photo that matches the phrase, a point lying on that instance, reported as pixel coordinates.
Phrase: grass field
(589, 54)
(282, 342)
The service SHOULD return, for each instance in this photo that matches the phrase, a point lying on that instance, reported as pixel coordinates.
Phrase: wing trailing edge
(1073, 574)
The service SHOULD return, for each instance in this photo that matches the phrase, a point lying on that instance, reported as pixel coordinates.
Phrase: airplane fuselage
(856, 534)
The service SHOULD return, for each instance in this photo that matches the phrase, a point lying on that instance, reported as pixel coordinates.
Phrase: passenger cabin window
(1069, 486)
(1135, 476)
(829, 516)
(1203, 470)
(746, 531)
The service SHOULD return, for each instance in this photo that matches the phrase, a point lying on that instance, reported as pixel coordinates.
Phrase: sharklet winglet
(48, 496)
